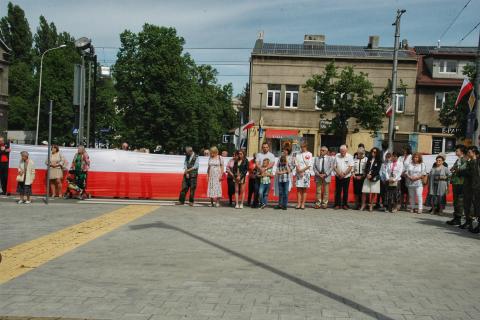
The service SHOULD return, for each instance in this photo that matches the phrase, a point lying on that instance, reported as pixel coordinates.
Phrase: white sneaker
(20, 201)
(241, 206)
(217, 205)
(237, 206)
(28, 202)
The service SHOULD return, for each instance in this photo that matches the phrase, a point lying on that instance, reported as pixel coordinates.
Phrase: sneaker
(20, 201)
(263, 206)
(284, 208)
(237, 206)
(241, 206)
(28, 202)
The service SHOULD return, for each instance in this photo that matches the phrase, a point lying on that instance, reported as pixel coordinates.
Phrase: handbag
(424, 179)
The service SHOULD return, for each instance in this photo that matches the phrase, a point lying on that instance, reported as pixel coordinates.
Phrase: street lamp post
(40, 88)
(391, 124)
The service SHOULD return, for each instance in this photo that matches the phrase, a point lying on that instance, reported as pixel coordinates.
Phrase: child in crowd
(283, 176)
(266, 177)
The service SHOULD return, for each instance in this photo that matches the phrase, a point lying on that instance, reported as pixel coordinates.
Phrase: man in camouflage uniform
(457, 185)
(471, 189)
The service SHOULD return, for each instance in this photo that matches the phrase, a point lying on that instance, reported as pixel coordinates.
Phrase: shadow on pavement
(350, 303)
(449, 229)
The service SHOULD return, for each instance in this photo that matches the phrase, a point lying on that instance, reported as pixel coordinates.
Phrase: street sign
(226, 138)
(75, 131)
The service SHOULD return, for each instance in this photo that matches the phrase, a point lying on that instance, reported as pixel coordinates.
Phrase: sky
(218, 24)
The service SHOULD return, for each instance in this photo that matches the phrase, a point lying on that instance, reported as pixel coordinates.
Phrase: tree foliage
(344, 94)
(164, 98)
(244, 98)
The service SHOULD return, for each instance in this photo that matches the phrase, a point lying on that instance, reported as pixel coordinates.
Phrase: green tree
(163, 97)
(107, 115)
(244, 98)
(57, 81)
(345, 94)
(16, 33)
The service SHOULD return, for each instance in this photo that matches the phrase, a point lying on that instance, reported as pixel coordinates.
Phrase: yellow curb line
(32, 254)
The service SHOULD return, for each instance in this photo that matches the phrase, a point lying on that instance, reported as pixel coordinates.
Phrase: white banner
(108, 160)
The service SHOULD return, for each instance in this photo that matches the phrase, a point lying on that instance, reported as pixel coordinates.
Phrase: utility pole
(476, 135)
(89, 101)
(49, 152)
(391, 124)
(260, 121)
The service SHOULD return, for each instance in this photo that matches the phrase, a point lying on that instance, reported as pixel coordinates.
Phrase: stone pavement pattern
(203, 263)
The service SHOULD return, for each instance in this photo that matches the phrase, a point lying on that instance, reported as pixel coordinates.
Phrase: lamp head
(83, 43)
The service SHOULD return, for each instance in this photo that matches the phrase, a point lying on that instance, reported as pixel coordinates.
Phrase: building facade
(4, 50)
(286, 110)
(440, 71)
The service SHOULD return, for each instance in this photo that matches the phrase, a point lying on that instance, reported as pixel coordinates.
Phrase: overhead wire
(454, 20)
(469, 32)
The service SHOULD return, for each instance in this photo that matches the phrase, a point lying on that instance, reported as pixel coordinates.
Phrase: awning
(278, 134)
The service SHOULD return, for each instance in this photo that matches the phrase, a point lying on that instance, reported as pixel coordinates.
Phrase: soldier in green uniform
(457, 185)
(471, 188)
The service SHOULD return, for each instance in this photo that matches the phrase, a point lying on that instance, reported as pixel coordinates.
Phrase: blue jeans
(283, 194)
(263, 193)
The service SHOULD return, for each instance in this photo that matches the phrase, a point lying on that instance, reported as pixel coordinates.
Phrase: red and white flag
(248, 125)
(389, 110)
(467, 86)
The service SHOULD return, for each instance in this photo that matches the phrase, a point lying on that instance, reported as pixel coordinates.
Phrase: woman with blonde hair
(57, 164)
(415, 173)
(214, 177)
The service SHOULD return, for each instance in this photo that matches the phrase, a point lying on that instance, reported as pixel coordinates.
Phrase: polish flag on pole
(248, 125)
(389, 110)
(467, 86)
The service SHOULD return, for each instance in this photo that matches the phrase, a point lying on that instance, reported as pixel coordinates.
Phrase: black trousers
(251, 191)
(231, 189)
(4, 176)
(471, 199)
(188, 184)
(341, 186)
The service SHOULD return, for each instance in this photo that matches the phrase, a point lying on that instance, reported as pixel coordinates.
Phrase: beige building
(288, 111)
(3, 87)
(440, 71)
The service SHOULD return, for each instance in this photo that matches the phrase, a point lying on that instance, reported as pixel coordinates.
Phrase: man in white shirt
(343, 171)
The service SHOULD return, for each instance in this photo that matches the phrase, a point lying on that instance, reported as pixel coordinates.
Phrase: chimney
(373, 42)
(259, 42)
(314, 39)
(405, 44)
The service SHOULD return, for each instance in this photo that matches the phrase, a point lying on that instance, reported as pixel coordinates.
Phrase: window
(400, 102)
(273, 96)
(291, 97)
(439, 100)
(448, 66)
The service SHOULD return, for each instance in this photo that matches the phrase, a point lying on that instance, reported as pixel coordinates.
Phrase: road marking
(32, 254)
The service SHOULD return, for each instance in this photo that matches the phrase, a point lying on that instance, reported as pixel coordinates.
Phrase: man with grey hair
(343, 166)
(190, 174)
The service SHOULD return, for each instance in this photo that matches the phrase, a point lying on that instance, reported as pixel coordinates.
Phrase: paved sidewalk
(204, 263)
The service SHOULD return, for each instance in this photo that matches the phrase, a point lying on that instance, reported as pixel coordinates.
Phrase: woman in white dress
(214, 177)
(303, 164)
(416, 171)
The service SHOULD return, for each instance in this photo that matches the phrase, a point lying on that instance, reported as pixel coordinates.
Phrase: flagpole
(476, 135)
